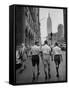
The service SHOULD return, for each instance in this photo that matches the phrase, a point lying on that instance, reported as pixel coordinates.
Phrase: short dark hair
(36, 42)
(56, 44)
(45, 42)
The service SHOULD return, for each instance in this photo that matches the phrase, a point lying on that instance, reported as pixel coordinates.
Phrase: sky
(56, 18)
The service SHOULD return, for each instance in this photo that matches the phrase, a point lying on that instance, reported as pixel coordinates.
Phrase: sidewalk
(26, 75)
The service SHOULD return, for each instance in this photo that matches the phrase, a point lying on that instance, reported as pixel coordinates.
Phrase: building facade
(19, 25)
(32, 25)
(28, 26)
(60, 36)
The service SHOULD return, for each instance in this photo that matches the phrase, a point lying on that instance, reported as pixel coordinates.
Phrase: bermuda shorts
(57, 59)
(35, 60)
(46, 59)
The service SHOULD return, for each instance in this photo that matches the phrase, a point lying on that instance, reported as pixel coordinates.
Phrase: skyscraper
(49, 24)
(60, 32)
(49, 29)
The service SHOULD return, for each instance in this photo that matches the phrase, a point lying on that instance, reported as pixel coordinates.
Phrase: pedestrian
(18, 60)
(35, 59)
(57, 56)
(23, 56)
(46, 50)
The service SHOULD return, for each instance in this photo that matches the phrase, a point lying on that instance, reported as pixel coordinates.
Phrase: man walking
(35, 58)
(23, 57)
(57, 53)
(46, 50)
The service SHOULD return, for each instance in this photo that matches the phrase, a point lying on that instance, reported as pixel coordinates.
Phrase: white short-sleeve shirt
(35, 50)
(46, 49)
(57, 50)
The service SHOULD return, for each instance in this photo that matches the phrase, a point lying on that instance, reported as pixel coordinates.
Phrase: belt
(35, 55)
(46, 54)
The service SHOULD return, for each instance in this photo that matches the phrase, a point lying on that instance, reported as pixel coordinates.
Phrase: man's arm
(52, 53)
(41, 53)
(31, 51)
(61, 54)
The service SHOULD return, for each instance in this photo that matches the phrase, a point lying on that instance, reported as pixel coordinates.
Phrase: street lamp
(51, 34)
(51, 37)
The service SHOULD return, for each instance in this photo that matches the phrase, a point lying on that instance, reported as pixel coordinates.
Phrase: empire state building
(49, 24)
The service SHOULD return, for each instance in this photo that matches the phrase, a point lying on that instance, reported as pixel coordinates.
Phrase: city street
(26, 75)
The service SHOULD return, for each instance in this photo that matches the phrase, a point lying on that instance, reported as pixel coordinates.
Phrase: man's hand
(61, 58)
